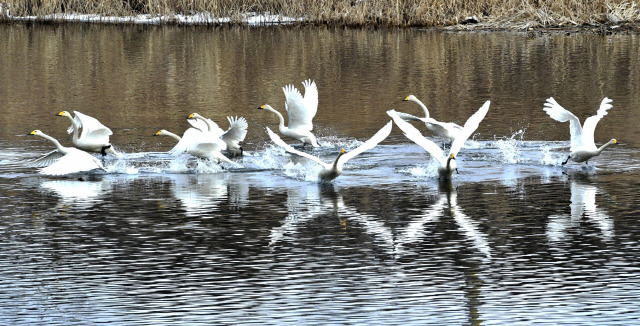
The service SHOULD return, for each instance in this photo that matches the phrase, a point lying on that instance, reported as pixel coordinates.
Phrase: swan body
(445, 130)
(202, 141)
(582, 144)
(333, 170)
(64, 160)
(300, 111)
(94, 137)
(447, 162)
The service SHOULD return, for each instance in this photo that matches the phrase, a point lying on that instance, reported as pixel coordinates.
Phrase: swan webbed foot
(567, 160)
(458, 172)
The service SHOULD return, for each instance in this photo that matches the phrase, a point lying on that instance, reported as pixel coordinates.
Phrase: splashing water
(509, 148)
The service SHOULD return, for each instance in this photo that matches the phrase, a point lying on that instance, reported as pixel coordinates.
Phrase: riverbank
(603, 16)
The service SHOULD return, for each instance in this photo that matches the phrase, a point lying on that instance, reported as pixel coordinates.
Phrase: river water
(514, 238)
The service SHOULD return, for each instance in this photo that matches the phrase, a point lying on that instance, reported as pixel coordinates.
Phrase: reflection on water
(515, 238)
(583, 205)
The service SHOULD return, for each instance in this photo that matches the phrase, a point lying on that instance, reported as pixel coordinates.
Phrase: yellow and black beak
(342, 151)
(190, 116)
(453, 157)
(158, 133)
(262, 107)
(60, 114)
(32, 133)
(615, 141)
(406, 98)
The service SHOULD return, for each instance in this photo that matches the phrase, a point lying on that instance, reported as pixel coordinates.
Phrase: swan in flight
(582, 146)
(232, 137)
(300, 111)
(205, 142)
(94, 136)
(64, 160)
(332, 171)
(447, 163)
(445, 130)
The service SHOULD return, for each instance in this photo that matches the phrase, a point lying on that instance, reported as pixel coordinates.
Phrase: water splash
(510, 148)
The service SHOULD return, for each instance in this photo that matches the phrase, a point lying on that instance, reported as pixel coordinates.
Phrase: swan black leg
(567, 160)
(103, 150)
(457, 171)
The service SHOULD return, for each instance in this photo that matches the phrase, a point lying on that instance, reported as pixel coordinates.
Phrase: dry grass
(520, 14)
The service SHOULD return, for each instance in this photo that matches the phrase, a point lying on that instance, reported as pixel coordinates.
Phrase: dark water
(515, 238)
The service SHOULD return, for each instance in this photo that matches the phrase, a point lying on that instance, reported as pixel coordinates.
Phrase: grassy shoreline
(523, 15)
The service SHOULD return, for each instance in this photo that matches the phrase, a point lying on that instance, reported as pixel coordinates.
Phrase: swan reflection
(81, 194)
(583, 203)
(201, 194)
(446, 206)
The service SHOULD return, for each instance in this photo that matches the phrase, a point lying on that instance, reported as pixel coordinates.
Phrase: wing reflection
(201, 194)
(447, 204)
(81, 194)
(583, 203)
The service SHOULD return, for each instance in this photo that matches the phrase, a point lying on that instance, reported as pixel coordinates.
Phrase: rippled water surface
(514, 238)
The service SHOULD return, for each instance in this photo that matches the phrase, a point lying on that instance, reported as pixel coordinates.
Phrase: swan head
(410, 98)
(265, 107)
(160, 132)
(194, 116)
(64, 114)
(614, 141)
(36, 132)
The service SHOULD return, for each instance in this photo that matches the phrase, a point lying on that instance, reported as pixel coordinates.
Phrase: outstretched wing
(590, 124)
(299, 114)
(560, 114)
(408, 117)
(237, 130)
(206, 125)
(311, 97)
(92, 128)
(188, 140)
(469, 127)
(276, 139)
(412, 133)
(45, 160)
(369, 144)
(73, 162)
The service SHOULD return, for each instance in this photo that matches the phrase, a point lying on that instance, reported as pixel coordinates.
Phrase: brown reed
(519, 14)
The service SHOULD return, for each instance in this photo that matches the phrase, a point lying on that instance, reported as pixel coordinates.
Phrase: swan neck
(206, 121)
(54, 141)
(280, 117)
(604, 146)
(169, 133)
(75, 128)
(424, 107)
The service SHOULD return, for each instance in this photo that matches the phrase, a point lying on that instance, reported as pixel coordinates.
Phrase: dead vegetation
(513, 14)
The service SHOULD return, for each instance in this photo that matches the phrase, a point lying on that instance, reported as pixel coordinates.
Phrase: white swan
(447, 163)
(94, 136)
(445, 130)
(64, 160)
(332, 171)
(300, 111)
(582, 146)
(204, 142)
(234, 135)
(191, 133)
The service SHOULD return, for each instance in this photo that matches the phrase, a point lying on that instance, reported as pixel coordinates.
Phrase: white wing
(369, 144)
(276, 139)
(188, 140)
(74, 161)
(442, 129)
(206, 125)
(408, 117)
(45, 160)
(92, 128)
(300, 116)
(237, 130)
(469, 127)
(560, 114)
(590, 124)
(311, 97)
(412, 133)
